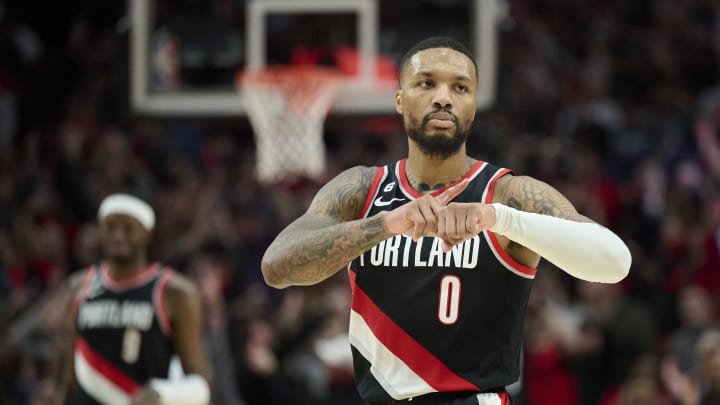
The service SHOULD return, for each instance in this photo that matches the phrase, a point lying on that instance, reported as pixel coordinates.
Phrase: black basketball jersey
(425, 321)
(123, 334)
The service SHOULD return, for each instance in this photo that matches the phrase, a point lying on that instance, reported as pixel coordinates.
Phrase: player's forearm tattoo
(321, 242)
(528, 194)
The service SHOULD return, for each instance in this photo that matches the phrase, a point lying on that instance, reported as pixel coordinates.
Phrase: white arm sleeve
(188, 390)
(584, 250)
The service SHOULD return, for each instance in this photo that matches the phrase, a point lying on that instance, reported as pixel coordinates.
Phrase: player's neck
(427, 174)
(126, 269)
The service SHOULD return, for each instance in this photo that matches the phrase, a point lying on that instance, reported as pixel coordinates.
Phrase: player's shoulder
(178, 281)
(344, 195)
(512, 189)
(179, 286)
(362, 176)
(506, 181)
(181, 296)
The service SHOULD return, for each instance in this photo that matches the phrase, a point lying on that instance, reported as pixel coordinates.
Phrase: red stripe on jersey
(406, 184)
(159, 298)
(428, 367)
(352, 276)
(504, 398)
(105, 368)
(493, 238)
(373, 191)
(491, 184)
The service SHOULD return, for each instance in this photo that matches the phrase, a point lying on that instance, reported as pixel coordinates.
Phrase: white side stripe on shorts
(489, 398)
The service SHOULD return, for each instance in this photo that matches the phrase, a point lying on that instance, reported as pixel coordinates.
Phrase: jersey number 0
(449, 301)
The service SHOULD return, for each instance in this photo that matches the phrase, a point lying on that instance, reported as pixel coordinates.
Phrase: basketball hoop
(287, 106)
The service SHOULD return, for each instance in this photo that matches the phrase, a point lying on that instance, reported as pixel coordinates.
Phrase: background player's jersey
(424, 321)
(122, 336)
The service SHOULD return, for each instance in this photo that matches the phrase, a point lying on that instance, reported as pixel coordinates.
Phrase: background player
(443, 247)
(131, 316)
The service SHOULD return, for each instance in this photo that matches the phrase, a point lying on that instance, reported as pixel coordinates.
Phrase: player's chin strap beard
(437, 147)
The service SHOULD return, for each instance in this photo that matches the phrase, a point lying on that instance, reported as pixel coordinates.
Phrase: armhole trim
(501, 254)
(380, 175)
(159, 299)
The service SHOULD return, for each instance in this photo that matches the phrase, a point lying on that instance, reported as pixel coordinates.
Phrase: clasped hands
(439, 217)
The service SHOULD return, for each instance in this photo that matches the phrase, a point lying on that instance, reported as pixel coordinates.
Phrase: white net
(287, 108)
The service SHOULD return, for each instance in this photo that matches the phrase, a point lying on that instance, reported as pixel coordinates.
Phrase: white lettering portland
(111, 314)
(400, 251)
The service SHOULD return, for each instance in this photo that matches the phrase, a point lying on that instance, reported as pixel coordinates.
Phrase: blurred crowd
(615, 103)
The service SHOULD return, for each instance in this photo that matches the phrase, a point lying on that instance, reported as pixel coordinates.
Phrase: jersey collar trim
(411, 193)
(135, 281)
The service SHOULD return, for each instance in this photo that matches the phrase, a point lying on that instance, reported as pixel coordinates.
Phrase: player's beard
(124, 258)
(437, 146)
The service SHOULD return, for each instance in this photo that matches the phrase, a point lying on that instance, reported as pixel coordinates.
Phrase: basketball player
(131, 316)
(441, 248)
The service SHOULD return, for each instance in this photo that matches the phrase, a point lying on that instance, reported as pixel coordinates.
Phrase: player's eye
(461, 88)
(425, 83)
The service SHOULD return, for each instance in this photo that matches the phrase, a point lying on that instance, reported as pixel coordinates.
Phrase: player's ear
(398, 101)
(145, 236)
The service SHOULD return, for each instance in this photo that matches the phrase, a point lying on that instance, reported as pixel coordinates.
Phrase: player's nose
(441, 98)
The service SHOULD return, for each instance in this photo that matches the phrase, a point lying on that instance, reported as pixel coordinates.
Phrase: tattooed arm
(537, 220)
(531, 195)
(328, 236)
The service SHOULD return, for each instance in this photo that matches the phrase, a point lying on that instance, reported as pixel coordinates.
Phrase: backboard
(175, 46)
